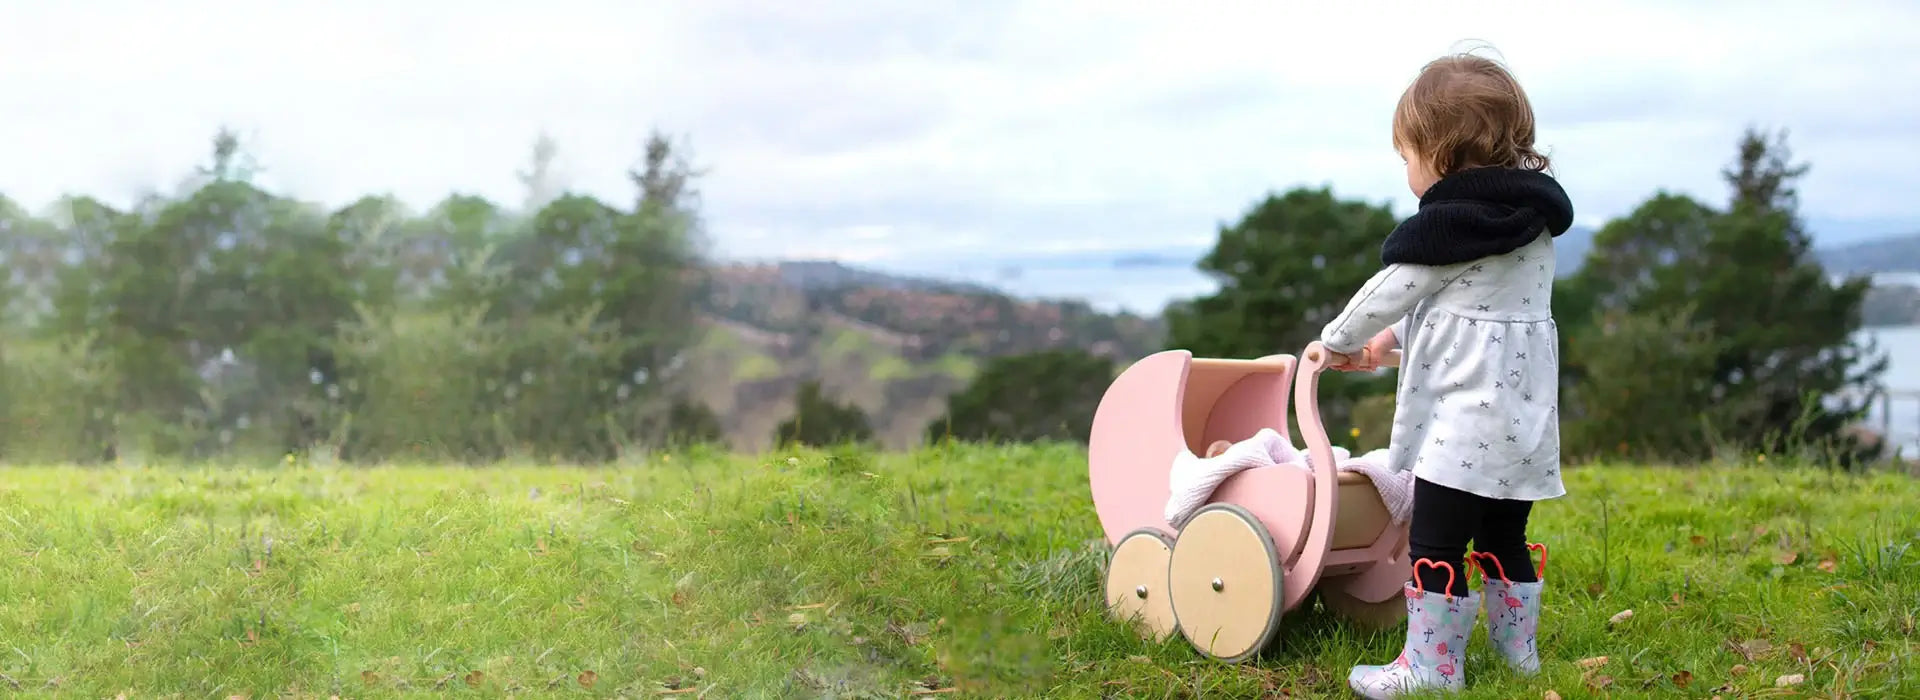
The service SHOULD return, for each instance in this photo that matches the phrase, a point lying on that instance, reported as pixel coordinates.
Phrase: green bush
(819, 421)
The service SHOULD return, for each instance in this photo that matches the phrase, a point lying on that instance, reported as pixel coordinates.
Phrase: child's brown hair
(1466, 111)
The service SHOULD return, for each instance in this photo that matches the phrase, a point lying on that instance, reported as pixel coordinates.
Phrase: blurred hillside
(1887, 254)
(1894, 262)
(894, 346)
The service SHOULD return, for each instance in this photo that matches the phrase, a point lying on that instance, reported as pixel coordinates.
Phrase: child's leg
(1440, 613)
(1503, 534)
(1444, 521)
(1512, 587)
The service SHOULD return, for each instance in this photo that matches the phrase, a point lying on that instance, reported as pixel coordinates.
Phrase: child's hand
(1384, 342)
(1342, 362)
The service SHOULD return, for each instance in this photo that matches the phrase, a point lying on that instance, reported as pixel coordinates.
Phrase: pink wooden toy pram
(1267, 539)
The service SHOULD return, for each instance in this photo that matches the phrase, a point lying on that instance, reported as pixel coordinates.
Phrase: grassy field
(963, 573)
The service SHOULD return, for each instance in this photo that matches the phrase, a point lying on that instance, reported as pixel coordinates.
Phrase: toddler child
(1466, 292)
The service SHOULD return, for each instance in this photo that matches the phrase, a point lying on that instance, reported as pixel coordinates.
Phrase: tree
(543, 185)
(231, 162)
(25, 252)
(221, 317)
(1785, 371)
(582, 327)
(1286, 270)
(1047, 395)
(1652, 373)
(821, 422)
(690, 422)
(664, 181)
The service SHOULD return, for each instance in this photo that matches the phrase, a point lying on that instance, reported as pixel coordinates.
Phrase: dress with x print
(1477, 407)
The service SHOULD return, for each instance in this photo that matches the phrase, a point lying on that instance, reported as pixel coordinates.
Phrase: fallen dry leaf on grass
(1683, 679)
(1750, 648)
(1739, 670)
(1789, 680)
(1828, 565)
(1620, 617)
(1697, 540)
(1789, 558)
(1591, 676)
(1549, 695)
(587, 678)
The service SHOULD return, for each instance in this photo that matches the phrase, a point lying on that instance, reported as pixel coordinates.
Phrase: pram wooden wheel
(1226, 583)
(1382, 615)
(1137, 582)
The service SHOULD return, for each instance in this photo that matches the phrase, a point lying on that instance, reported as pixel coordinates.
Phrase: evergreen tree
(1784, 370)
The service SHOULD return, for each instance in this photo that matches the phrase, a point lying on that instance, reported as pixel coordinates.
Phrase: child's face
(1420, 175)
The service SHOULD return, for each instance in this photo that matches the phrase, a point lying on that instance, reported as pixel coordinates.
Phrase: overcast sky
(888, 130)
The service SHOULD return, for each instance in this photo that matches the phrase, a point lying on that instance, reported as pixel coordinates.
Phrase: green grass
(961, 367)
(845, 345)
(887, 368)
(756, 367)
(845, 575)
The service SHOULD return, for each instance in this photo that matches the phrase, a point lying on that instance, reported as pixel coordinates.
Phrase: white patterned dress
(1478, 399)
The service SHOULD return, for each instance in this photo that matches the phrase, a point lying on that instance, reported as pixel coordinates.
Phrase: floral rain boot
(1434, 654)
(1513, 612)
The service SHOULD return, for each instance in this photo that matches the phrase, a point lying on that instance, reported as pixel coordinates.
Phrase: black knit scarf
(1476, 213)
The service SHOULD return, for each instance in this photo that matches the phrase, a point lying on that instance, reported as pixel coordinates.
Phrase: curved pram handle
(1326, 474)
(1392, 358)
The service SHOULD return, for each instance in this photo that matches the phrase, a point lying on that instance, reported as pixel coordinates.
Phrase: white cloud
(875, 130)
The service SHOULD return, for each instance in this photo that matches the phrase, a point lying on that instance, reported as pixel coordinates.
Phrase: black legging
(1446, 519)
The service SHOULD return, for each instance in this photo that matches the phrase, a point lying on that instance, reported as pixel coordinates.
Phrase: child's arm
(1381, 302)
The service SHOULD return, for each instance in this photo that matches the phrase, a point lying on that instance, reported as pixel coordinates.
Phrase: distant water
(1142, 285)
(1146, 284)
(1902, 346)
